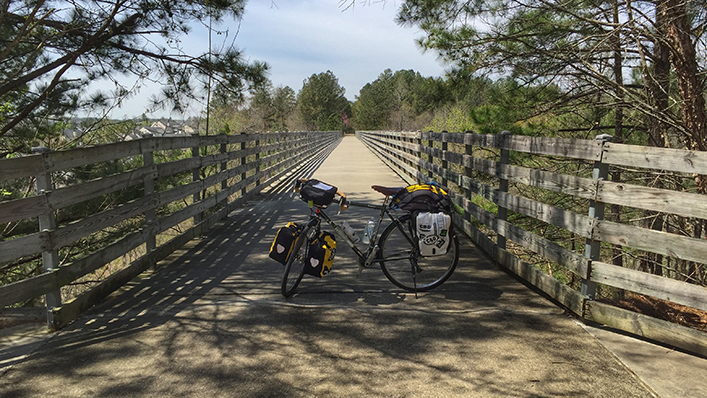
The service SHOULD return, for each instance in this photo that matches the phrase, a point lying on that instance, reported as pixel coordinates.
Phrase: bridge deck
(212, 323)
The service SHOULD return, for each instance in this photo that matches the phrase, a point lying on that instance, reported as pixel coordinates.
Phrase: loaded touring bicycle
(417, 250)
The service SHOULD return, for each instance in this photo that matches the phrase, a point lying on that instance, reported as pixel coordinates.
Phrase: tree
(397, 100)
(53, 49)
(321, 103)
(261, 108)
(372, 106)
(284, 102)
(586, 48)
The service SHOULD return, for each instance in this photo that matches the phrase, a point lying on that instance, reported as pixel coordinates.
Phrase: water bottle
(368, 231)
(350, 232)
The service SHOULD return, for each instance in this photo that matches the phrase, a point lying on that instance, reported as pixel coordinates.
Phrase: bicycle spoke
(406, 269)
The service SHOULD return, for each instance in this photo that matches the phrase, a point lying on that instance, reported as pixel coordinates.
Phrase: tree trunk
(617, 250)
(684, 59)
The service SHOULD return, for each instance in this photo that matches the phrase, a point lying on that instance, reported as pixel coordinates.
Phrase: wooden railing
(166, 191)
(553, 215)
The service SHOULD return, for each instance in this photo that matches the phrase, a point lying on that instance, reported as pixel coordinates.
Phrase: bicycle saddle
(387, 191)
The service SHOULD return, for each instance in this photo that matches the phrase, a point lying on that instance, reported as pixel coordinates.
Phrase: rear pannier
(433, 233)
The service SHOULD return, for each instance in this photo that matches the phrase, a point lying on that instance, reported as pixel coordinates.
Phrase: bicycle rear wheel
(294, 268)
(404, 267)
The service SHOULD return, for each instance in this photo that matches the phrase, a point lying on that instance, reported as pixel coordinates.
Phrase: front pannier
(317, 193)
(321, 255)
(284, 240)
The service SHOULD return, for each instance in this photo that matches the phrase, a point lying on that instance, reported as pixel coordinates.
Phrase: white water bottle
(350, 232)
(368, 231)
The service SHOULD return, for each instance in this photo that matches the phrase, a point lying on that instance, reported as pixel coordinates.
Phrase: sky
(299, 38)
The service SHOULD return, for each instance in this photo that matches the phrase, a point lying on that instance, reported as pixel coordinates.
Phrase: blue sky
(298, 38)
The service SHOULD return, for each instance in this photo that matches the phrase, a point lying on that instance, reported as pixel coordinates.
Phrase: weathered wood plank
(28, 289)
(565, 147)
(177, 166)
(563, 183)
(483, 140)
(688, 339)
(20, 209)
(647, 198)
(479, 238)
(554, 252)
(485, 166)
(34, 287)
(653, 285)
(171, 143)
(675, 246)
(71, 233)
(563, 294)
(546, 248)
(23, 246)
(573, 222)
(63, 160)
(23, 167)
(98, 259)
(67, 196)
(678, 160)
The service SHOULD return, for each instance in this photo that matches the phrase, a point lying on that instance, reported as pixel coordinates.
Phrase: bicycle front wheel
(404, 267)
(294, 268)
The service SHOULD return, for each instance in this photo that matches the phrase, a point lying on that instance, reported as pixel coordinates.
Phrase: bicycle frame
(369, 256)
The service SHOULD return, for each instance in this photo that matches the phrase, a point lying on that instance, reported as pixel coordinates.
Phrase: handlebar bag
(321, 255)
(283, 243)
(317, 193)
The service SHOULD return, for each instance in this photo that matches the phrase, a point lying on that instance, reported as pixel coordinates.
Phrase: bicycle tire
(294, 268)
(431, 271)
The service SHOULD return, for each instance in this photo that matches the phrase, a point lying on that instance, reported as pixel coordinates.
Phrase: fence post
(148, 160)
(468, 171)
(596, 211)
(445, 163)
(257, 161)
(224, 169)
(430, 158)
(418, 141)
(47, 223)
(505, 159)
(196, 176)
(244, 174)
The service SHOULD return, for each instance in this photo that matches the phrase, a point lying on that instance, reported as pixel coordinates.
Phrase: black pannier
(317, 193)
(423, 197)
(321, 255)
(284, 240)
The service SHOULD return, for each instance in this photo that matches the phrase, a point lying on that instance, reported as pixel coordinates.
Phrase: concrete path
(212, 323)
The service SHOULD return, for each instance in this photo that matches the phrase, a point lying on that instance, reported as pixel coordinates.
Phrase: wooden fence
(564, 194)
(199, 182)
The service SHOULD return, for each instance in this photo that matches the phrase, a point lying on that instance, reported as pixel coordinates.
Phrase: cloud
(298, 38)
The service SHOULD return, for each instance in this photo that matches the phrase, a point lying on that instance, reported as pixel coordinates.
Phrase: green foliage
(54, 52)
(453, 120)
(397, 100)
(321, 103)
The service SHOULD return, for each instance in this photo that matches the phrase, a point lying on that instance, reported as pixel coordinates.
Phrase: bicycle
(397, 251)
